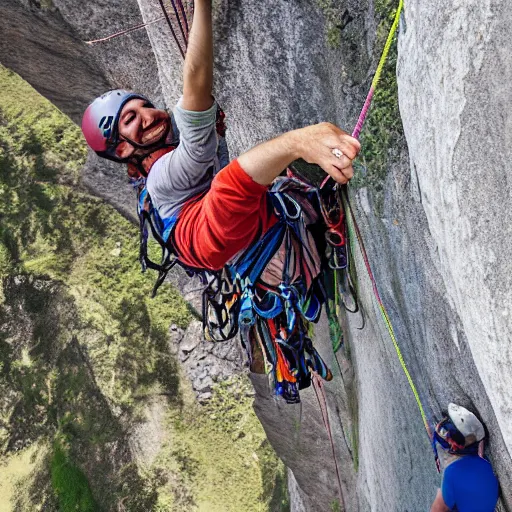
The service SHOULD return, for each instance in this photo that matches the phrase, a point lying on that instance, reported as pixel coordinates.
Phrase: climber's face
(143, 125)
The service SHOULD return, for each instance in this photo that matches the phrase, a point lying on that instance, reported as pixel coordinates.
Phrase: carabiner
(335, 237)
(292, 216)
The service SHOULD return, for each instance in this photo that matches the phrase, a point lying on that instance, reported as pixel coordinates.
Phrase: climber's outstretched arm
(314, 144)
(198, 68)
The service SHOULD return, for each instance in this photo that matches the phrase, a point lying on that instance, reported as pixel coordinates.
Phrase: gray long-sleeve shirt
(188, 170)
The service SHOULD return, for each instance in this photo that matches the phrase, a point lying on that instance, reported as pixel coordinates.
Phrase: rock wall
(437, 226)
(460, 152)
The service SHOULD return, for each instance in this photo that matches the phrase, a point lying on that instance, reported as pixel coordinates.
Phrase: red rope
(173, 3)
(126, 31)
(318, 386)
(183, 15)
(171, 27)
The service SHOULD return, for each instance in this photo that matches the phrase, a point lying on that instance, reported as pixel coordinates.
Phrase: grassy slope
(52, 231)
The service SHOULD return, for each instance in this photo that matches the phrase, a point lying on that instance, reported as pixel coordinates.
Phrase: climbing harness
(270, 292)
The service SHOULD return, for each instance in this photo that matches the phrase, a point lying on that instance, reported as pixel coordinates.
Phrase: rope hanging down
(318, 387)
(181, 17)
(356, 133)
(384, 313)
(317, 384)
(171, 27)
(175, 9)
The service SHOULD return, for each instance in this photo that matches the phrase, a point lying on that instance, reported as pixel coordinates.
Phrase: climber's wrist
(295, 140)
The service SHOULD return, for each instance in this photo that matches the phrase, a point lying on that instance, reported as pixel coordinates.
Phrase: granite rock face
(438, 236)
(206, 363)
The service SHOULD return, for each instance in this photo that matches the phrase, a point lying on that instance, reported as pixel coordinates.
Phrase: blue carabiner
(289, 295)
(246, 315)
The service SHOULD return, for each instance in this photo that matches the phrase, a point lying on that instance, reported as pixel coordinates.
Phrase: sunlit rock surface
(437, 234)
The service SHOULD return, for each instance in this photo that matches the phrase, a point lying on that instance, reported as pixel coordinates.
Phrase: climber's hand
(317, 146)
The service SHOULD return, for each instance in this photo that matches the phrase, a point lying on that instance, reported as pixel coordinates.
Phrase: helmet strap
(152, 152)
(145, 163)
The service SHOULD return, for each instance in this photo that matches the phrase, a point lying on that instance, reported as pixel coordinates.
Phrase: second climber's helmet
(466, 423)
(100, 122)
(459, 429)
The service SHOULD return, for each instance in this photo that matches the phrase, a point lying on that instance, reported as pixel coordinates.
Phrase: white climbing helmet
(466, 423)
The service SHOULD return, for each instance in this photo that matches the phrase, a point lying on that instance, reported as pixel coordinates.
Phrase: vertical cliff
(433, 200)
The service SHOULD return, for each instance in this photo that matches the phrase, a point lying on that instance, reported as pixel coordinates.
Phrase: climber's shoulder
(470, 483)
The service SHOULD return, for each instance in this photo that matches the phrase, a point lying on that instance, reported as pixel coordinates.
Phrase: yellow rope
(387, 46)
(387, 321)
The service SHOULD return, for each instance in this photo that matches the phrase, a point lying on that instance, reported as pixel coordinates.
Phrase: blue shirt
(470, 485)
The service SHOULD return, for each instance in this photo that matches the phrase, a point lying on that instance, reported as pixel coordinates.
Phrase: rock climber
(468, 484)
(212, 214)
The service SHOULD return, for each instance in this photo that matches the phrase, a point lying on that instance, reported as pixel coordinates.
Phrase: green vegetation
(82, 346)
(208, 442)
(69, 483)
(382, 133)
(50, 229)
(335, 506)
(333, 15)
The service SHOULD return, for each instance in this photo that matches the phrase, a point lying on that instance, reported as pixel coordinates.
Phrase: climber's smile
(142, 124)
(152, 135)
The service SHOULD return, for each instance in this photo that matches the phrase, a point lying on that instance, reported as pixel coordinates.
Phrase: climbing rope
(174, 35)
(125, 31)
(318, 386)
(178, 18)
(354, 228)
(184, 18)
(180, 15)
(376, 78)
(378, 72)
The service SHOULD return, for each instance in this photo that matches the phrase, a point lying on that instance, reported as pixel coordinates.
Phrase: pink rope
(363, 114)
(359, 124)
